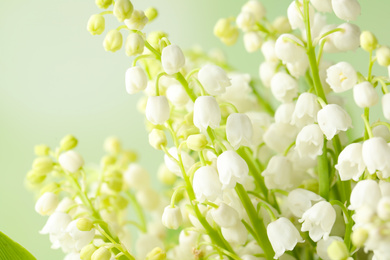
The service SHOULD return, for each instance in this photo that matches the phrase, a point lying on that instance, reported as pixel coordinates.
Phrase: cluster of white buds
(246, 178)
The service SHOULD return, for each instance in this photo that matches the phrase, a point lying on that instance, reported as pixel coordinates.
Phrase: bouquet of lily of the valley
(246, 177)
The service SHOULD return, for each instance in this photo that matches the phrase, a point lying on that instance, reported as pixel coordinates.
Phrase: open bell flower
(206, 113)
(239, 130)
(350, 162)
(80, 238)
(157, 109)
(322, 5)
(306, 110)
(332, 119)
(366, 193)
(310, 141)
(283, 236)
(341, 77)
(172, 59)
(236, 235)
(172, 217)
(225, 216)
(300, 200)
(347, 10)
(319, 220)
(214, 79)
(278, 173)
(376, 154)
(232, 169)
(284, 87)
(206, 184)
(294, 15)
(71, 161)
(288, 51)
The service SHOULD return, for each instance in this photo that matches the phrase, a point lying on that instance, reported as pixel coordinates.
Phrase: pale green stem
(139, 211)
(349, 222)
(174, 195)
(140, 57)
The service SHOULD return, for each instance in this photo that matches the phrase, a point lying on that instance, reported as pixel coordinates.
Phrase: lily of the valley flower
(239, 130)
(172, 59)
(232, 169)
(135, 79)
(206, 184)
(206, 113)
(157, 110)
(350, 163)
(332, 119)
(214, 79)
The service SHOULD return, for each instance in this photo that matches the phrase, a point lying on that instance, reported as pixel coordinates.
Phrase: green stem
(265, 105)
(349, 223)
(323, 172)
(184, 83)
(139, 211)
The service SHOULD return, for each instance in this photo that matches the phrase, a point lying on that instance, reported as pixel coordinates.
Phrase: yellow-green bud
(112, 145)
(96, 24)
(104, 4)
(68, 143)
(368, 41)
(101, 254)
(189, 118)
(120, 201)
(113, 41)
(157, 139)
(123, 9)
(87, 252)
(35, 177)
(114, 180)
(359, 237)
(84, 224)
(338, 250)
(43, 165)
(281, 25)
(383, 56)
(187, 130)
(42, 150)
(126, 158)
(135, 44)
(51, 187)
(156, 254)
(151, 13)
(232, 38)
(166, 176)
(197, 142)
(108, 160)
(222, 28)
(155, 37)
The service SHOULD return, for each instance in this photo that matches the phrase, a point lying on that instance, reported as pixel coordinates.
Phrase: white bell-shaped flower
(206, 113)
(348, 39)
(279, 136)
(322, 247)
(225, 216)
(299, 67)
(283, 236)
(300, 200)
(187, 160)
(366, 193)
(278, 173)
(347, 10)
(172, 217)
(232, 169)
(332, 119)
(239, 130)
(306, 110)
(268, 50)
(157, 109)
(237, 234)
(46, 204)
(322, 5)
(206, 184)
(329, 46)
(365, 95)
(284, 87)
(172, 59)
(252, 41)
(56, 223)
(289, 51)
(350, 163)
(177, 95)
(71, 161)
(137, 21)
(80, 238)
(310, 141)
(383, 208)
(294, 15)
(267, 70)
(376, 154)
(381, 131)
(341, 77)
(386, 105)
(136, 176)
(135, 79)
(283, 113)
(214, 79)
(319, 220)
(246, 21)
(256, 8)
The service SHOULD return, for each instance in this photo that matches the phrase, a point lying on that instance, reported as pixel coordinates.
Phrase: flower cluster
(246, 179)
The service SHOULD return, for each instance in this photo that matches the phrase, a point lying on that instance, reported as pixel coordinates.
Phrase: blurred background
(55, 79)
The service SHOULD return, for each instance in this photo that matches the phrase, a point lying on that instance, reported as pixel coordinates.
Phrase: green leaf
(11, 250)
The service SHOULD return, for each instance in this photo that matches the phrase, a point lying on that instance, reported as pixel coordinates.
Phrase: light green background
(57, 79)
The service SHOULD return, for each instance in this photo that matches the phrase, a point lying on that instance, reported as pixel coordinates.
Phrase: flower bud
(136, 177)
(281, 25)
(197, 142)
(239, 130)
(157, 110)
(46, 204)
(136, 80)
(43, 165)
(214, 79)
(41, 150)
(96, 24)
(123, 9)
(289, 51)
(137, 21)
(172, 59)
(322, 5)
(177, 95)
(113, 41)
(35, 177)
(294, 14)
(71, 161)
(368, 41)
(134, 44)
(348, 39)
(84, 224)
(172, 218)
(245, 21)
(359, 237)
(206, 113)
(68, 143)
(101, 254)
(222, 28)
(155, 37)
(108, 160)
(332, 119)
(104, 4)
(157, 138)
(365, 95)
(337, 250)
(87, 252)
(347, 10)
(165, 175)
(252, 41)
(256, 8)
(151, 13)
(383, 56)
(114, 180)
(156, 254)
(112, 145)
